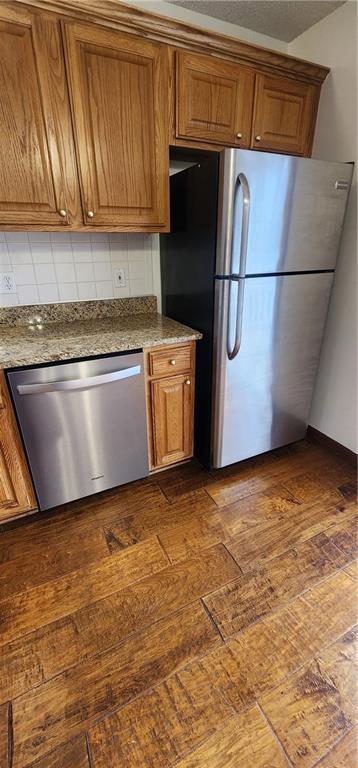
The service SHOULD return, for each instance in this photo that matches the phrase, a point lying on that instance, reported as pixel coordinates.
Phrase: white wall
(208, 22)
(74, 266)
(333, 42)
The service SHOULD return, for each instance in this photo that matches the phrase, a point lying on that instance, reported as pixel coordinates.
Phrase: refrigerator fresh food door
(262, 396)
(295, 208)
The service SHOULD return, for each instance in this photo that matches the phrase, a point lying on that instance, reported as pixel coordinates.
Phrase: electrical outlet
(7, 282)
(120, 277)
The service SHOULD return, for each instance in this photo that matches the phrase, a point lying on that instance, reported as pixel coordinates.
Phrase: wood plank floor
(193, 619)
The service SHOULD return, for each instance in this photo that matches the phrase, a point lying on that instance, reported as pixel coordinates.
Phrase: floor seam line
(165, 553)
(88, 750)
(271, 728)
(211, 619)
(10, 735)
(334, 745)
(275, 610)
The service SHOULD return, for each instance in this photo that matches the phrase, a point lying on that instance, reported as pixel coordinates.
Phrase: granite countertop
(42, 343)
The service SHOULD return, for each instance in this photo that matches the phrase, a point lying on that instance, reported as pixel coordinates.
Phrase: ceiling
(283, 19)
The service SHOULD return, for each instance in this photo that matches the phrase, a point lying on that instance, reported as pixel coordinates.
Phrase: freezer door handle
(81, 383)
(243, 184)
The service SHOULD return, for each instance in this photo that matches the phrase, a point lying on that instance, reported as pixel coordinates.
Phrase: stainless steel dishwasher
(83, 425)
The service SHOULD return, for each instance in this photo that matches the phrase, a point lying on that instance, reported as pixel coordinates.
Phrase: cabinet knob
(239, 135)
(257, 138)
(173, 362)
(188, 381)
(90, 214)
(63, 212)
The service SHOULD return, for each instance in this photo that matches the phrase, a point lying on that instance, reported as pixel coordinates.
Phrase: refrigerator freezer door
(261, 398)
(297, 207)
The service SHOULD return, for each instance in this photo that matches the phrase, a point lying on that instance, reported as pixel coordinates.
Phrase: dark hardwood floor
(193, 619)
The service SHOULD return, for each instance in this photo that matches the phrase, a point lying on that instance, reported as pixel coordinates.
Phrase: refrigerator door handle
(231, 353)
(241, 182)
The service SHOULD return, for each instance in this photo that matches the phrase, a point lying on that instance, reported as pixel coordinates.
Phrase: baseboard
(345, 453)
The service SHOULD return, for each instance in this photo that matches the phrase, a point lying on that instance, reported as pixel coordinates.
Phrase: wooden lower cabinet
(17, 496)
(170, 404)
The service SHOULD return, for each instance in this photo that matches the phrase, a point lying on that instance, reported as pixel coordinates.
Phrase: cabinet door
(120, 115)
(284, 115)
(214, 100)
(38, 177)
(16, 492)
(172, 419)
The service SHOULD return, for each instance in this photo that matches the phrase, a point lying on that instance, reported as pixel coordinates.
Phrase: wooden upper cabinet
(117, 85)
(38, 181)
(85, 110)
(16, 491)
(284, 115)
(214, 100)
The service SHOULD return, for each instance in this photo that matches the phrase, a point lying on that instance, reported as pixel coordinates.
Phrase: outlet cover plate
(7, 282)
(120, 277)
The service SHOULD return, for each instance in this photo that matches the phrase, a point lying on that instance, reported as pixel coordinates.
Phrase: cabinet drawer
(171, 361)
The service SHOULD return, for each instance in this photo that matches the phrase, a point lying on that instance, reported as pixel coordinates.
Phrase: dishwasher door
(83, 425)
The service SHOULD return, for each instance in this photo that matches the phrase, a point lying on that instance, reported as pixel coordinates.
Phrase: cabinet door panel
(16, 491)
(284, 115)
(7, 490)
(172, 413)
(121, 126)
(37, 160)
(214, 100)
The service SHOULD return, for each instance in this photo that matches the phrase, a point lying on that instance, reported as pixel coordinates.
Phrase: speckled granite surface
(25, 345)
(77, 310)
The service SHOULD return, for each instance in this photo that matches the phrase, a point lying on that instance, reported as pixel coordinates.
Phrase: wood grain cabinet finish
(16, 491)
(85, 110)
(172, 360)
(214, 100)
(284, 115)
(117, 85)
(38, 176)
(170, 403)
(172, 406)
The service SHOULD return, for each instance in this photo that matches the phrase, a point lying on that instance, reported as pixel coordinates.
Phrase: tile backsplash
(55, 266)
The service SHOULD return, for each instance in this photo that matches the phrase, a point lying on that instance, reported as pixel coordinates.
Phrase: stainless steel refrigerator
(270, 262)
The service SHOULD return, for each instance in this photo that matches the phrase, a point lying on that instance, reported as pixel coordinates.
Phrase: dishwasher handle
(82, 383)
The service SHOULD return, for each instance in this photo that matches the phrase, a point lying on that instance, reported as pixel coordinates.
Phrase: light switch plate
(7, 282)
(120, 277)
